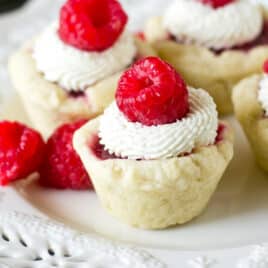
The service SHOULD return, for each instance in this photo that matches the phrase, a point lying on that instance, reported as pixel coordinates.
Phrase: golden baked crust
(250, 114)
(47, 105)
(201, 68)
(155, 194)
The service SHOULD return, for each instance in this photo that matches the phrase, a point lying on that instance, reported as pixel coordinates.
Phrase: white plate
(224, 236)
(236, 216)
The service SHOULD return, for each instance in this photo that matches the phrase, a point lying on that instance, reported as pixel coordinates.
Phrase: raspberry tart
(213, 43)
(70, 71)
(158, 152)
(250, 99)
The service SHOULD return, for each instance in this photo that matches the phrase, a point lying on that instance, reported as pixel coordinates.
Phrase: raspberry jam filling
(220, 132)
(100, 153)
(261, 40)
(265, 67)
(216, 3)
(76, 94)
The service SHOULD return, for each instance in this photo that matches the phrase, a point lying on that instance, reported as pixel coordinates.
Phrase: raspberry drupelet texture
(91, 25)
(217, 3)
(21, 151)
(153, 93)
(62, 167)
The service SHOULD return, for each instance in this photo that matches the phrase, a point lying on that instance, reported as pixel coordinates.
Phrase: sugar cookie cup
(155, 194)
(158, 152)
(250, 113)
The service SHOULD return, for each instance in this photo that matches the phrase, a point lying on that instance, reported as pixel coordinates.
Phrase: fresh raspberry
(217, 3)
(91, 25)
(265, 67)
(21, 151)
(152, 92)
(62, 167)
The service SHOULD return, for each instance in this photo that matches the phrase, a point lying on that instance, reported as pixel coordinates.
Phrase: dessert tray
(231, 233)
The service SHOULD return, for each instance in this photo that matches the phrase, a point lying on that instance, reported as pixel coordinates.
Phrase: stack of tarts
(70, 71)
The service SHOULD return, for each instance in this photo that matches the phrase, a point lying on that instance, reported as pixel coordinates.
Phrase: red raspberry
(21, 151)
(217, 3)
(265, 67)
(91, 25)
(62, 167)
(152, 92)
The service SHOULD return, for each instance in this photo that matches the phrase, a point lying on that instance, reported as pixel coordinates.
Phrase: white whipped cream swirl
(237, 23)
(263, 93)
(74, 69)
(136, 141)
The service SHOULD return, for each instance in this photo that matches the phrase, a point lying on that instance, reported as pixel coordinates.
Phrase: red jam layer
(76, 94)
(100, 153)
(220, 133)
(261, 40)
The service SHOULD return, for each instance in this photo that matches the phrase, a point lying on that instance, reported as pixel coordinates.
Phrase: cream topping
(136, 141)
(263, 93)
(237, 23)
(74, 69)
